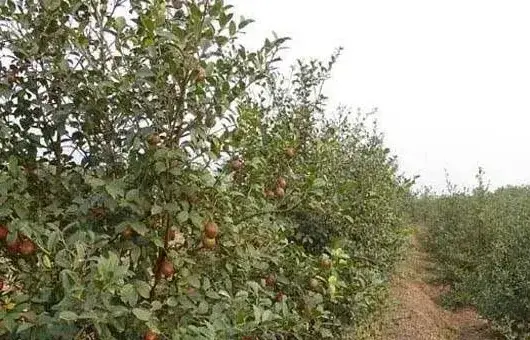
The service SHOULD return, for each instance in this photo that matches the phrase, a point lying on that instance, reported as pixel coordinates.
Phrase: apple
(290, 152)
(150, 335)
(209, 243)
(326, 263)
(211, 229)
(270, 280)
(3, 232)
(13, 247)
(279, 192)
(26, 247)
(127, 233)
(269, 194)
(281, 182)
(236, 164)
(166, 268)
(313, 283)
(279, 297)
(154, 139)
(201, 74)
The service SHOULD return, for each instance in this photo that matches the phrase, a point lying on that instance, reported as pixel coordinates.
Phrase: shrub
(480, 241)
(124, 140)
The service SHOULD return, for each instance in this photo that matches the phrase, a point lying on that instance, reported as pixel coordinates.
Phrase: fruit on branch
(290, 152)
(209, 243)
(166, 268)
(3, 232)
(281, 182)
(279, 192)
(27, 247)
(211, 230)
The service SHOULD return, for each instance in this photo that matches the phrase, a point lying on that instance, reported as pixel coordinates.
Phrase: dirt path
(415, 313)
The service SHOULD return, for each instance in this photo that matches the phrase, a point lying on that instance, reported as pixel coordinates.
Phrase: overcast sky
(451, 78)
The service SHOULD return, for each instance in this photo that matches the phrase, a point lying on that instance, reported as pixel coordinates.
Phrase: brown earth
(414, 312)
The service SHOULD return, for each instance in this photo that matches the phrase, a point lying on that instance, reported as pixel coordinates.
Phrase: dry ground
(414, 312)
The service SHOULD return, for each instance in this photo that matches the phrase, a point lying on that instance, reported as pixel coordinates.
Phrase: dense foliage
(481, 240)
(159, 180)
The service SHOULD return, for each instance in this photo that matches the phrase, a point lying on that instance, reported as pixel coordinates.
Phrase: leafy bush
(481, 242)
(150, 168)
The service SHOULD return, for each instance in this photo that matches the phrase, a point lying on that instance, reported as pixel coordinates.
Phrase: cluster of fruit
(19, 246)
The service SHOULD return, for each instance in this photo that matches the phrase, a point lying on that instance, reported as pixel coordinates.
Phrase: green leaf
(94, 182)
(172, 207)
(143, 288)
(172, 301)
(142, 314)
(116, 188)
(203, 307)
(23, 327)
(194, 281)
(326, 333)
(232, 28)
(51, 5)
(255, 286)
(196, 219)
(244, 23)
(129, 295)
(182, 217)
(145, 73)
(120, 23)
(257, 313)
(68, 316)
(156, 209)
(139, 227)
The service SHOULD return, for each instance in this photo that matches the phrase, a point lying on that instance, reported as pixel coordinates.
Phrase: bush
(150, 166)
(480, 240)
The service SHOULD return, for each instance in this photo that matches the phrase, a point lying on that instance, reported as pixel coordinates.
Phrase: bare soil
(415, 313)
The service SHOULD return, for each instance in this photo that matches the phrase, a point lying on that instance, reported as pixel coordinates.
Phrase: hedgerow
(156, 176)
(480, 240)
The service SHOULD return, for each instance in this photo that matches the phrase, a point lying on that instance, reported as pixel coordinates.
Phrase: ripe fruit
(166, 268)
(26, 247)
(98, 212)
(279, 297)
(279, 192)
(150, 335)
(211, 230)
(154, 139)
(1, 285)
(236, 164)
(127, 233)
(270, 280)
(281, 182)
(13, 247)
(3, 232)
(326, 263)
(201, 74)
(313, 283)
(269, 194)
(290, 152)
(208, 243)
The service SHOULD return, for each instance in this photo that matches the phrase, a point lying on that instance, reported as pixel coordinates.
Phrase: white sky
(451, 78)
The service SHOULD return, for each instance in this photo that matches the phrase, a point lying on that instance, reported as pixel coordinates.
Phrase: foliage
(480, 240)
(150, 170)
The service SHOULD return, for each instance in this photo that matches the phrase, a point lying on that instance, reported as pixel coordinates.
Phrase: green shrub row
(158, 180)
(481, 241)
